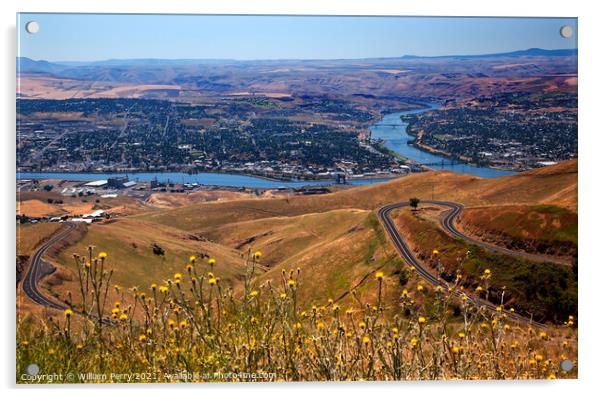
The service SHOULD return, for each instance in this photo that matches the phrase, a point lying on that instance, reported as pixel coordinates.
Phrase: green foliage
(550, 209)
(373, 243)
(414, 202)
(546, 290)
(404, 276)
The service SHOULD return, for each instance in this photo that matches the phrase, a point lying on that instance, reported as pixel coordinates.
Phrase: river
(393, 131)
(201, 178)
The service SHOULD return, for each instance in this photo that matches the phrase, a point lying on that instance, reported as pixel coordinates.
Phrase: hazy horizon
(63, 61)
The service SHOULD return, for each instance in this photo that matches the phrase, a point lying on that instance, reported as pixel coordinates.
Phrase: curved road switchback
(447, 224)
(34, 271)
(34, 274)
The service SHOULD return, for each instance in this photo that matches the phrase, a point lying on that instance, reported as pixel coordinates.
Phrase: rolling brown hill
(555, 185)
(334, 239)
(539, 229)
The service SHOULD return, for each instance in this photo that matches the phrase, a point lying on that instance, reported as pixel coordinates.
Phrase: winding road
(34, 272)
(447, 224)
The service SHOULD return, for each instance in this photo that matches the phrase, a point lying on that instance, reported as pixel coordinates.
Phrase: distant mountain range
(531, 52)
(28, 65)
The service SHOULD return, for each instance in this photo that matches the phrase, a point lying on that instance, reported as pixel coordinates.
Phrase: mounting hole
(566, 31)
(32, 27)
(33, 369)
(566, 365)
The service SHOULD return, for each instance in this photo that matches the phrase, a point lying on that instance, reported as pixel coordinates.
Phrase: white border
(589, 177)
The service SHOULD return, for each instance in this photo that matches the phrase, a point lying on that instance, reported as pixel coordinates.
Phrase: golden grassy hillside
(171, 200)
(543, 228)
(30, 236)
(138, 266)
(555, 185)
(327, 297)
(335, 238)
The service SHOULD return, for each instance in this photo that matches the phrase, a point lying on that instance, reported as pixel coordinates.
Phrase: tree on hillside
(414, 203)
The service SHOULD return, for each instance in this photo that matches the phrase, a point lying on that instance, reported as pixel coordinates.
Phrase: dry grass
(192, 324)
(555, 185)
(37, 208)
(132, 241)
(333, 249)
(30, 236)
(173, 200)
(537, 229)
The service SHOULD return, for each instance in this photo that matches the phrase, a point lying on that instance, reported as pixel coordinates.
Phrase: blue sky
(87, 37)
